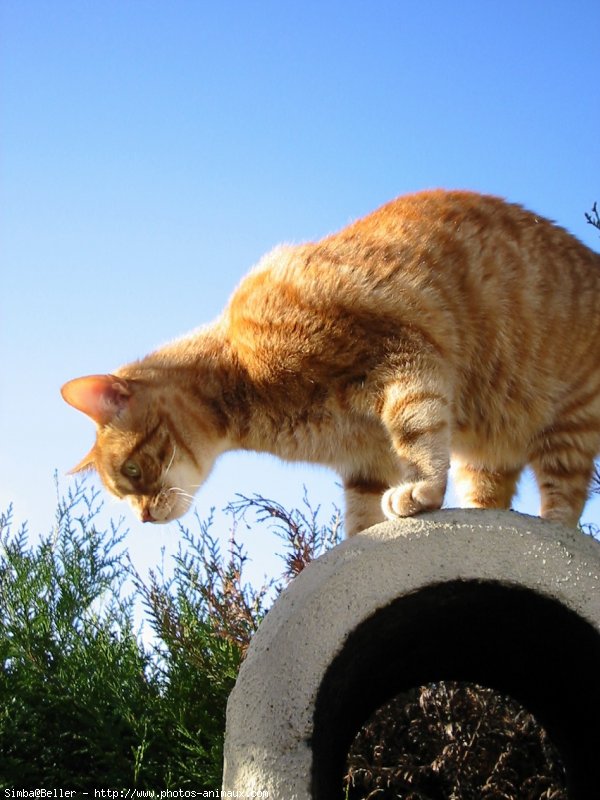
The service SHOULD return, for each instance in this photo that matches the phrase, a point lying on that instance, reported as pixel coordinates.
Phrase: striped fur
(444, 325)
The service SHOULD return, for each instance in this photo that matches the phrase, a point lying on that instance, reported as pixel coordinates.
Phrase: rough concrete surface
(270, 714)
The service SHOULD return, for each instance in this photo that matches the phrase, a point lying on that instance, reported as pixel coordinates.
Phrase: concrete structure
(495, 598)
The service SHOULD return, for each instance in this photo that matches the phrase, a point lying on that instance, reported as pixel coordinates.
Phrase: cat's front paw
(411, 498)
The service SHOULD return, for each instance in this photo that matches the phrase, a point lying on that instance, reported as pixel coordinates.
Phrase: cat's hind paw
(411, 498)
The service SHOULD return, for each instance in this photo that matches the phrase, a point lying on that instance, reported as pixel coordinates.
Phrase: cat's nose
(146, 515)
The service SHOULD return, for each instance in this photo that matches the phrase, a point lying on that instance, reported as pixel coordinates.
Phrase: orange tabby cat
(444, 324)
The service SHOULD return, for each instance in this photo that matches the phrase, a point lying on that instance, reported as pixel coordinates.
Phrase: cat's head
(143, 452)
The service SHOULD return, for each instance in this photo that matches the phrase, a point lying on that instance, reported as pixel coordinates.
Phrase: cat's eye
(132, 470)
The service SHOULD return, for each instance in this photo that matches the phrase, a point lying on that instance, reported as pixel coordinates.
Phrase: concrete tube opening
(518, 641)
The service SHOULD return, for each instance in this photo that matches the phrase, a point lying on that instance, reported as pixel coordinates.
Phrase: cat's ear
(86, 464)
(101, 397)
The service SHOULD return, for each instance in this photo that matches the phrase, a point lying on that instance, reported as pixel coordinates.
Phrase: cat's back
(463, 265)
(453, 231)
(457, 235)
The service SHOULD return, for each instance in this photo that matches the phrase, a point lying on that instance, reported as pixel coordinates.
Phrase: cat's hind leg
(484, 487)
(563, 475)
(417, 415)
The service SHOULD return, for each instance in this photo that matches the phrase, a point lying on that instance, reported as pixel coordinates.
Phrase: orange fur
(445, 324)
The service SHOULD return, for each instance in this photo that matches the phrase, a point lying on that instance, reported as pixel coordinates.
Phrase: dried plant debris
(453, 741)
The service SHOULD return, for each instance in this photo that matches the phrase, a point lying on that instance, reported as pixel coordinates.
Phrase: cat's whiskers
(181, 492)
(170, 464)
(186, 496)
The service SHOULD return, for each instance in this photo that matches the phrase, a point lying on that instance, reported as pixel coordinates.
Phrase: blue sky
(151, 151)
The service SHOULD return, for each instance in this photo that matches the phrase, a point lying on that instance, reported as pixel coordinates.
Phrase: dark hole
(522, 644)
